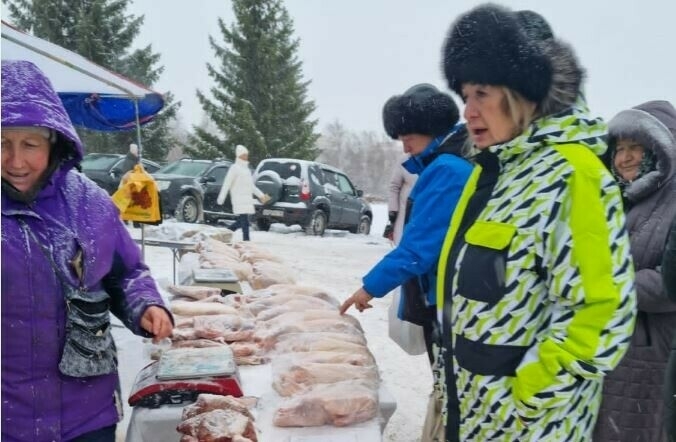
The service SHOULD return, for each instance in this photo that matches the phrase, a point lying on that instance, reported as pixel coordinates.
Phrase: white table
(159, 424)
(178, 248)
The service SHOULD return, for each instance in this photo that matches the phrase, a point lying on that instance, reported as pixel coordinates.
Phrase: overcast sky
(358, 53)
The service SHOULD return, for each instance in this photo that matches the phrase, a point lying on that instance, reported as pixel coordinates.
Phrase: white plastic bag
(408, 336)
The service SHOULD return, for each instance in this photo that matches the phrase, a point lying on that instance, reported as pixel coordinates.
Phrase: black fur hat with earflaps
(422, 109)
(493, 45)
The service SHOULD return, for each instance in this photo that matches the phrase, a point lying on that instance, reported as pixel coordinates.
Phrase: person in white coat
(401, 183)
(239, 182)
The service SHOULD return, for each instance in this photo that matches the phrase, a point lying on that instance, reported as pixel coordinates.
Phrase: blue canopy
(94, 97)
(110, 112)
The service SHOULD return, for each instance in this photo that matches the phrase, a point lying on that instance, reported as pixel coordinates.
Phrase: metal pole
(140, 153)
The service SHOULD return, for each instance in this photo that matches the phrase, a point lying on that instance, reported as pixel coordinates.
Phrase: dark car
(105, 169)
(315, 195)
(189, 188)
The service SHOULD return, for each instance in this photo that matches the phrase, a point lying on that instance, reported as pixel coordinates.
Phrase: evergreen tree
(259, 98)
(101, 31)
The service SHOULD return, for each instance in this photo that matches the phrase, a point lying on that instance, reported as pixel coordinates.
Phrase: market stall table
(159, 424)
(178, 248)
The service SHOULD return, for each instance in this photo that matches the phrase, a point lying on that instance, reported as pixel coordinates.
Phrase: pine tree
(103, 32)
(259, 98)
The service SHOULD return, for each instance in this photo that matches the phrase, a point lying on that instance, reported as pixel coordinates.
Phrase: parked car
(189, 188)
(315, 195)
(105, 169)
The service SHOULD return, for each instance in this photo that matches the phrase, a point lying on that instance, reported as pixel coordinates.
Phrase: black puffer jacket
(633, 394)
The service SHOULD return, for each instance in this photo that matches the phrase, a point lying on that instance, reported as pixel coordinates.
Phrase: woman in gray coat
(642, 156)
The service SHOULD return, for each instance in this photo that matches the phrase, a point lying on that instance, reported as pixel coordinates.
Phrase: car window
(218, 173)
(315, 175)
(285, 169)
(344, 185)
(149, 167)
(99, 162)
(330, 180)
(188, 168)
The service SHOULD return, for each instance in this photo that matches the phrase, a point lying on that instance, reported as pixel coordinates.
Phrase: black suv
(106, 171)
(189, 188)
(314, 195)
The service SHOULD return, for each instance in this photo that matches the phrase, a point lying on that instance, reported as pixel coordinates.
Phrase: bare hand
(156, 321)
(360, 299)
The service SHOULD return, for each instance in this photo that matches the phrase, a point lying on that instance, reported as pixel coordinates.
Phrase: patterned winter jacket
(536, 287)
(69, 214)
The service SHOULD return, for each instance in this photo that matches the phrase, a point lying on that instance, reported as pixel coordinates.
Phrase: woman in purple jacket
(67, 262)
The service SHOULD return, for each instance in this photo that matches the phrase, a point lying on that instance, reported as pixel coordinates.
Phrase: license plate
(271, 212)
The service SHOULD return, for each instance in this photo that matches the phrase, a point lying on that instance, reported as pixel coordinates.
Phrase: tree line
(259, 96)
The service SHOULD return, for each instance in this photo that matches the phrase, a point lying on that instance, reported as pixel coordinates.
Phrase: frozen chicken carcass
(187, 308)
(269, 336)
(296, 305)
(299, 289)
(307, 315)
(219, 426)
(193, 291)
(228, 327)
(302, 342)
(267, 273)
(294, 379)
(363, 359)
(274, 301)
(339, 404)
(209, 402)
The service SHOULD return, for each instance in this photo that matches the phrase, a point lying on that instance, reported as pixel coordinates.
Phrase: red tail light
(304, 191)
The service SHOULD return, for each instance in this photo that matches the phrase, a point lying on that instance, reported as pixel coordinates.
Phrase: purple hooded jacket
(70, 212)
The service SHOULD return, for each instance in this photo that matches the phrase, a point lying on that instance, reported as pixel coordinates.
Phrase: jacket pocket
(89, 349)
(481, 276)
(488, 359)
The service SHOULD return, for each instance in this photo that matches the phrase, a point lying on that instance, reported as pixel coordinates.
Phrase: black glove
(392, 216)
(389, 232)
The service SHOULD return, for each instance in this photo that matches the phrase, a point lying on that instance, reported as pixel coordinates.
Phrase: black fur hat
(489, 45)
(422, 109)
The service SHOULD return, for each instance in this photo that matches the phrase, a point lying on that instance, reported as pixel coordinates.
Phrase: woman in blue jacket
(425, 120)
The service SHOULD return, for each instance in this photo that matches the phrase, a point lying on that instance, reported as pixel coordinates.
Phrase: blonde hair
(520, 110)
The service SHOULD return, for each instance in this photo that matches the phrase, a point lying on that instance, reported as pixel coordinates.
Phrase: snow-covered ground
(335, 262)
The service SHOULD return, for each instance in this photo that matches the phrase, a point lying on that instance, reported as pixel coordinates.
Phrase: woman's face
(487, 121)
(415, 144)
(628, 157)
(25, 156)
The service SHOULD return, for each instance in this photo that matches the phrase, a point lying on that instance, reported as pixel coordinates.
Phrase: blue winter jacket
(434, 197)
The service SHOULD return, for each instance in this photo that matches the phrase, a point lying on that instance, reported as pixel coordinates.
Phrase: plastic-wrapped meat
(306, 290)
(269, 336)
(219, 247)
(183, 334)
(294, 379)
(339, 404)
(210, 260)
(197, 308)
(354, 339)
(295, 306)
(259, 305)
(209, 402)
(219, 426)
(306, 315)
(193, 291)
(254, 255)
(302, 342)
(228, 327)
(198, 343)
(267, 273)
(363, 359)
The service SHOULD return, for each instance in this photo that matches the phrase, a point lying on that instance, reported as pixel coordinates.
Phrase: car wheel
(364, 227)
(187, 210)
(263, 224)
(317, 224)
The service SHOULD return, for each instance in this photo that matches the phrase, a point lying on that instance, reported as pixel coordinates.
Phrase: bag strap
(59, 274)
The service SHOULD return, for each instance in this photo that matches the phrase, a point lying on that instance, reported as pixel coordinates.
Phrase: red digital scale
(182, 374)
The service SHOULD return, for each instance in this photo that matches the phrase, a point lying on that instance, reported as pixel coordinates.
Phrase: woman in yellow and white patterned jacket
(536, 282)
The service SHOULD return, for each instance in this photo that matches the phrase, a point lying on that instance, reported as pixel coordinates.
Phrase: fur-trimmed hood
(653, 125)
(493, 45)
